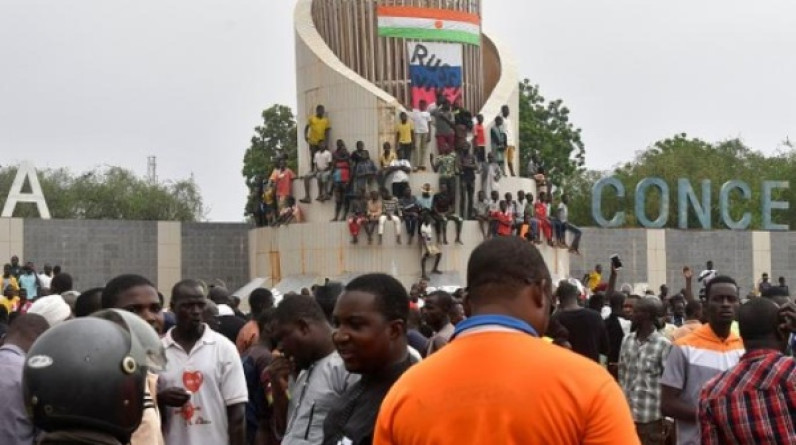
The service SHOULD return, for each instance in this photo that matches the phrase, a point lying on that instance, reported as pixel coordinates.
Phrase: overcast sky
(84, 83)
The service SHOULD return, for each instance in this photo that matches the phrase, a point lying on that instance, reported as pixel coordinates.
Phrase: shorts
(432, 249)
(510, 153)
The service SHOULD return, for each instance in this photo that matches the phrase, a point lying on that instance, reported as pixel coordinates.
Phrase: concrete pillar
(12, 239)
(761, 257)
(169, 256)
(656, 258)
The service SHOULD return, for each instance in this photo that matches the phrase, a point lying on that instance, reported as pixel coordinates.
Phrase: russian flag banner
(429, 24)
(434, 67)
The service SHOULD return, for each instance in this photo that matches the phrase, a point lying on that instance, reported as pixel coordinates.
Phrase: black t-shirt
(229, 326)
(615, 336)
(354, 416)
(587, 333)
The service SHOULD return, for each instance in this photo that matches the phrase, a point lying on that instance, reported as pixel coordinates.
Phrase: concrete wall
(165, 252)
(93, 251)
(658, 256)
(216, 251)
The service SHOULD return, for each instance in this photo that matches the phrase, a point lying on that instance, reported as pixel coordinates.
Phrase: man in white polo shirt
(205, 366)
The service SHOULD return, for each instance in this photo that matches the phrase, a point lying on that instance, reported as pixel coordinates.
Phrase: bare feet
(435, 271)
(306, 200)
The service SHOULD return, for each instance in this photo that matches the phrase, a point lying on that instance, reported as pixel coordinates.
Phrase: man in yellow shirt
(8, 280)
(594, 278)
(317, 131)
(405, 136)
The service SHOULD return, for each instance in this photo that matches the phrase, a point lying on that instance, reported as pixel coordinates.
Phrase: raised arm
(688, 274)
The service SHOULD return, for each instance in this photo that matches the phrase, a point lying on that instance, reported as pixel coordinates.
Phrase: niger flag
(429, 24)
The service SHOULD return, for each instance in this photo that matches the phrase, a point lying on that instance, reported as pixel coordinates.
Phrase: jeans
(576, 232)
(411, 223)
(466, 200)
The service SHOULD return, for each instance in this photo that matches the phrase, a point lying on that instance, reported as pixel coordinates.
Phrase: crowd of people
(371, 192)
(512, 358)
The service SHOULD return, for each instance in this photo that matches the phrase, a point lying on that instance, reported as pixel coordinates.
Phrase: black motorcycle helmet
(82, 374)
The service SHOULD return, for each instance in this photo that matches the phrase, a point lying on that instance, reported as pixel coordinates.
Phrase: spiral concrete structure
(338, 55)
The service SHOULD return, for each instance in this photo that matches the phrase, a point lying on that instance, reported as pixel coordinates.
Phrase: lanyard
(494, 320)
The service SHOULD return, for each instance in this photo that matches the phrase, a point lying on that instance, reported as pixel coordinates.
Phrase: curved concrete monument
(359, 58)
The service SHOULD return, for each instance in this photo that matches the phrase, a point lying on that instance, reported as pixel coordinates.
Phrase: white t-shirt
(422, 120)
(213, 373)
(45, 281)
(426, 231)
(509, 130)
(323, 159)
(563, 212)
(400, 175)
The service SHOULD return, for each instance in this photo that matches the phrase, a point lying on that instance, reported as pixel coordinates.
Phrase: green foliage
(112, 193)
(694, 159)
(277, 135)
(545, 129)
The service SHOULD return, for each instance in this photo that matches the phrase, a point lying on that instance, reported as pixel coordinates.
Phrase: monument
(366, 61)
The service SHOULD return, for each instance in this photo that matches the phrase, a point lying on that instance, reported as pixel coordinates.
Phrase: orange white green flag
(429, 24)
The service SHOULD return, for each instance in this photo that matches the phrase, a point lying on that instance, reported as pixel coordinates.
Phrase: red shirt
(752, 402)
(480, 135)
(504, 223)
(540, 209)
(283, 180)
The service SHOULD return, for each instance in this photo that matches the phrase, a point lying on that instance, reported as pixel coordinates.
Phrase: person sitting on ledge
(398, 175)
(481, 210)
(410, 209)
(430, 248)
(291, 213)
(358, 218)
(385, 159)
(442, 210)
(375, 211)
(365, 173)
(391, 210)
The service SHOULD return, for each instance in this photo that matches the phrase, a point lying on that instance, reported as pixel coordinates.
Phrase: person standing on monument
(511, 143)
(316, 131)
(405, 136)
(422, 121)
(446, 133)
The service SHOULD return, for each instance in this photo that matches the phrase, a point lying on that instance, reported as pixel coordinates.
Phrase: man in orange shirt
(521, 390)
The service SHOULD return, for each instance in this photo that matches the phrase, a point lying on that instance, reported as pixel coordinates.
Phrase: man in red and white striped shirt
(754, 402)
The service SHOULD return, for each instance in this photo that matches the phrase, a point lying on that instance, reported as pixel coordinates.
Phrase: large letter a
(15, 196)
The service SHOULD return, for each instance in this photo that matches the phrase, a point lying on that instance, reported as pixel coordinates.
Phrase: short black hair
(721, 279)
(327, 296)
(88, 302)
(187, 283)
(568, 291)
(693, 308)
(758, 319)
(391, 296)
(445, 299)
(296, 307)
(219, 295)
(617, 300)
(118, 285)
(261, 299)
(61, 283)
(507, 262)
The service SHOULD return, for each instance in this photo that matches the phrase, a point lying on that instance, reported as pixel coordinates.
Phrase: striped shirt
(753, 403)
(640, 370)
(693, 361)
(391, 207)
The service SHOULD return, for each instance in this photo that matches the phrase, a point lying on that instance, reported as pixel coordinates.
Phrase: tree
(112, 193)
(276, 136)
(545, 130)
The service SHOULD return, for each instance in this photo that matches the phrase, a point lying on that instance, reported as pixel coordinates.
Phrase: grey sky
(90, 82)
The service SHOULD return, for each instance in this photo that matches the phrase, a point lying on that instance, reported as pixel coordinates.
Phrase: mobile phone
(616, 262)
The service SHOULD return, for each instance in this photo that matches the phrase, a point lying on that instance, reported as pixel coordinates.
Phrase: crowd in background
(511, 358)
